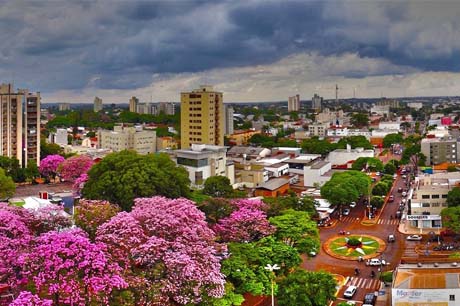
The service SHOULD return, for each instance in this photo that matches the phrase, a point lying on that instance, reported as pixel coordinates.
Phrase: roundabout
(352, 247)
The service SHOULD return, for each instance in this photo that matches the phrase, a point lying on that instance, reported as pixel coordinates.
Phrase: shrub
(353, 241)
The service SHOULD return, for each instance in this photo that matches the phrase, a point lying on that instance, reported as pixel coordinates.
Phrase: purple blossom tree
(26, 298)
(80, 183)
(50, 164)
(244, 225)
(73, 167)
(51, 218)
(71, 270)
(90, 214)
(167, 249)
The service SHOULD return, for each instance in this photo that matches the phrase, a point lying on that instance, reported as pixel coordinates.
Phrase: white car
(346, 211)
(351, 290)
(404, 193)
(414, 237)
(353, 204)
(376, 262)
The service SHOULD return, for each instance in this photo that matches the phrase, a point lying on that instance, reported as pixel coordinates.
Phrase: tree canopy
(390, 139)
(316, 146)
(453, 197)
(359, 120)
(346, 187)
(7, 186)
(218, 186)
(451, 218)
(121, 177)
(371, 163)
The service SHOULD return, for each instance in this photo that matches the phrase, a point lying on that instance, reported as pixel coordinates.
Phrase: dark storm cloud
(109, 44)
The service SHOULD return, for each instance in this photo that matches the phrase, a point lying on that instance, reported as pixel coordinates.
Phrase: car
(346, 211)
(414, 237)
(369, 299)
(404, 193)
(377, 173)
(352, 303)
(391, 199)
(400, 189)
(353, 204)
(404, 176)
(391, 238)
(395, 176)
(351, 290)
(376, 262)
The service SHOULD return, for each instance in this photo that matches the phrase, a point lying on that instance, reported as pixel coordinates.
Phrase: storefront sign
(423, 217)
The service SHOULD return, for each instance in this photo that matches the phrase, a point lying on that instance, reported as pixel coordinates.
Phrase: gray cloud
(122, 45)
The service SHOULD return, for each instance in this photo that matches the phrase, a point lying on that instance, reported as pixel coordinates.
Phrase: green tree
(390, 139)
(451, 218)
(380, 189)
(276, 205)
(389, 168)
(218, 186)
(453, 197)
(121, 177)
(307, 288)
(49, 149)
(245, 266)
(355, 142)
(296, 229)
(371, 163)
(7, 186)
(377, 201)
(359, 120)
(316, 146)
(216, 209)
(32, 170)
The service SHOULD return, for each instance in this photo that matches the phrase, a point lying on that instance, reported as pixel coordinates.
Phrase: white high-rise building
(316, 102)
(228, 122)
(97, 104)
(294, 103)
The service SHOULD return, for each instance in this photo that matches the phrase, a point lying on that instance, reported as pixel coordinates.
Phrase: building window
(452, 297)
(425, 204)
(425, 196)
(444, 196)
(435, 196)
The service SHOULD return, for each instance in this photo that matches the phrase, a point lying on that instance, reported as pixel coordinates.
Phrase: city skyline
(251, 51)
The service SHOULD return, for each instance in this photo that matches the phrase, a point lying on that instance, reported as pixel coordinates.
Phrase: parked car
(346, 211)
(391, 199)
(391, 238)
(404, 193)
(353, 204)
(351, 290)
(414, 237)
(376, 262)
(400, 189)
(369, 299)
(404, 176)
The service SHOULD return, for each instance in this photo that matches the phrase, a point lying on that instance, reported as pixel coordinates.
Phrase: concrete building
(316, 173)
(166, 143)
(97, 104)
(250, 175)
(228, 120)
(248, 153)
(415, 105)
(337, 131)
(203, 161)
(63, 107)
(331, 117)
(294, 103)
(359, 132)
(430, 283)
(19, 124)
(316, 103)
(440, 150)
(318, 129)
(59, 137)
(133, 102)
(273, 188)
(277, 170)
(298, 164)
(343, 156)
(390, 125)
(388, 102)
(128, 138)
(383, 110)
(202, 117)
(241, 137)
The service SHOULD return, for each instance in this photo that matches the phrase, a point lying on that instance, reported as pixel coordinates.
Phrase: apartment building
(203, 161)
(128, 138)
(228, 120)
(59, 137)
(133, 102)
(63, 107)
(97, 105)
(294, 103)
(440, 150)
(316, 103)
(19, 124)
(318, 129)
(202, 117)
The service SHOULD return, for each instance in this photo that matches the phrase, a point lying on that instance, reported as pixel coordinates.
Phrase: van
(369, 299)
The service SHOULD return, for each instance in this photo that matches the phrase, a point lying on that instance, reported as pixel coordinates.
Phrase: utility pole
(337, 94)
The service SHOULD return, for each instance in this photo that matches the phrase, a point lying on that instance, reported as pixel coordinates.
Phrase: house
(203, 161)
(241, 137)
(273, 188)
(343, 156)
(277, 170)
(250, 175)
(317, 173)
(296, 165)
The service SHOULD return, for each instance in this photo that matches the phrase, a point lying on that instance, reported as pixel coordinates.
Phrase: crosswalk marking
(366, 283)
(349, 219)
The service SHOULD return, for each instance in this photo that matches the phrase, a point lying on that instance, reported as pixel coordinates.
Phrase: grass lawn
(339, 246)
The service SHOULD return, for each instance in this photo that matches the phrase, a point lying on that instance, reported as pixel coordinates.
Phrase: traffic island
(353, 247)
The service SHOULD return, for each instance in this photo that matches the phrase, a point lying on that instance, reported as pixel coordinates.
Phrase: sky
(251, 50)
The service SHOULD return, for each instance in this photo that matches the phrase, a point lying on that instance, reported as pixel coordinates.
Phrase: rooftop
(427, 276)
(274, 184)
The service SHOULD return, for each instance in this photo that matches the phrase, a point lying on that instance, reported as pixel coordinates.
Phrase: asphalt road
(385, 224)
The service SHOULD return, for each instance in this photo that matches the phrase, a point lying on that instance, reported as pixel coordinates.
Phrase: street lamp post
(272, 268)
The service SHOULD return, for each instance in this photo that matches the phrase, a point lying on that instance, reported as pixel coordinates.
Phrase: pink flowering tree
(71, 270)
(167, 249)
(51, 218)
(15, 238)
(26, 298)
(246, 224)
(90, 214)
(80, 183)
(73, 167)
(49, 165)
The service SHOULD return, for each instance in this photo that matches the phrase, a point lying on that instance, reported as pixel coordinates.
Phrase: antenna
(354, 92)
(336, 93)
